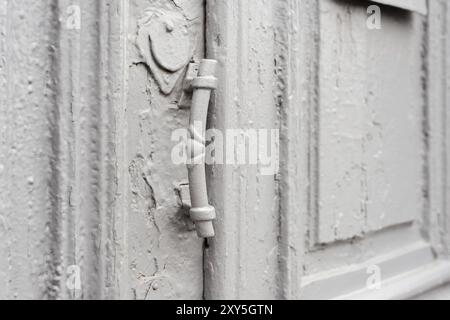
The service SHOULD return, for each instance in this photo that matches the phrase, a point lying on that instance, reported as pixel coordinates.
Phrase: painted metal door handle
(201, 212)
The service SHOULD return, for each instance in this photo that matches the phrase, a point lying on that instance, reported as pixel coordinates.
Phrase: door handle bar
(201, 212)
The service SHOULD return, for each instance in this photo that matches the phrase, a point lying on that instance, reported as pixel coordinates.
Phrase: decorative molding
(407, 285)
(63, 82)
(298, 42)
(90, 68)
(437, 224)
(351, 280)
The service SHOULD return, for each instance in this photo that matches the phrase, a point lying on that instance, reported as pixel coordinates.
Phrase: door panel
(371, 159)
(370, 121)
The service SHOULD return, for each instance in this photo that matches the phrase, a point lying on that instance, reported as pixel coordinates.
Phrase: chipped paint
(166, 40)
(87, 180)
(165, 255)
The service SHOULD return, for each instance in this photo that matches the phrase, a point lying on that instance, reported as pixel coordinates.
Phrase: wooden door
(354, 203)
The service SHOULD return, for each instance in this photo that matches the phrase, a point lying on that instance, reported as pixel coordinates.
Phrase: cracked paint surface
(85, 164)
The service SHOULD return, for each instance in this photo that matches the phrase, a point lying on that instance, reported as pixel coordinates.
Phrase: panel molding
(351, 280)
(299, 48)
(419, 6)
(407, 285)
(64, 85)
(437, 223)
(89, 72)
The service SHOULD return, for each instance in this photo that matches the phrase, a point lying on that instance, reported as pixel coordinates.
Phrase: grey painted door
(90, 200)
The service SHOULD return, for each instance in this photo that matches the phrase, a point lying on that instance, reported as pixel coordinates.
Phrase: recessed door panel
(370, 148)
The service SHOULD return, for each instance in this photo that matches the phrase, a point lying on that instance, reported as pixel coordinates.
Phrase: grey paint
(341, 110)
(163, 254)
(87, 179)
(28, 141)
(242, 260)
(370, 129)
(85, 152)
(441, 293)
(59, 87)
(203, 85)
(413, 5)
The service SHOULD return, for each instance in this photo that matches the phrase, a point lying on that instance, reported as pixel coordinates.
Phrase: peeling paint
(166, 39)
